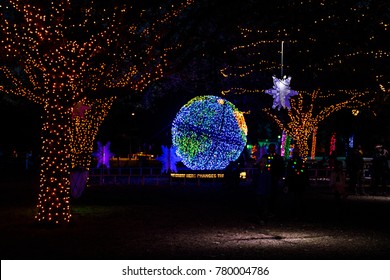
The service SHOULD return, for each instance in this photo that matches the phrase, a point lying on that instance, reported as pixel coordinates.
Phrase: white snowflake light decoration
(168, 159)
(281, 92)
(103, 155)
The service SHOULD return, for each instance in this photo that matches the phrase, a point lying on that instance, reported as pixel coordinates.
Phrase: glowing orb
(208, 133)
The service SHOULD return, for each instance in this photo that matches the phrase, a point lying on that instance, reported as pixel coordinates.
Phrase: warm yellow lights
(313, 144)
(84, 131)
(312, 46)
(355, 112)
(337, 63)
(305, 118)
(72, 64)
(198, 175)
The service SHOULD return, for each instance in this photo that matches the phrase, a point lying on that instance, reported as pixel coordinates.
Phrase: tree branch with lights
(66, 56)
(320, 53)
(304, 119)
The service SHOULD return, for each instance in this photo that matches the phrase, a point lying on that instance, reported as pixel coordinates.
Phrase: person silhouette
(275, 165)
(262, 190)
(297, 181)
(379, 170)
(355, 164)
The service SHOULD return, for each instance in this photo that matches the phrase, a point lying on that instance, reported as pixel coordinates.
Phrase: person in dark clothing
(232, 176)
(297, 181)
(262, 190)
(275, 165)
(337, 183)
(379, 169)
(355, 164)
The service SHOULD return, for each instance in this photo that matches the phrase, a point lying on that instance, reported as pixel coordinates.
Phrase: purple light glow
(281, 92)
(103, 155)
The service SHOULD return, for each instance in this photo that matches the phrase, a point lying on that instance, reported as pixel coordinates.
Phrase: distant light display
(332, 144)
(285, 145)
(313, 144)
(350, 141)
(208, 133)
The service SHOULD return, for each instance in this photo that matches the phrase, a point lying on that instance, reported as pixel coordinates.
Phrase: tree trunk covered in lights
(303, 145)
(68, 140)
(303, 119)
(54, 194)
(74, 58)
(84, 128)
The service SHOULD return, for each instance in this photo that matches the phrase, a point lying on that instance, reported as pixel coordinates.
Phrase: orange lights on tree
(72, 60)
(303, 119)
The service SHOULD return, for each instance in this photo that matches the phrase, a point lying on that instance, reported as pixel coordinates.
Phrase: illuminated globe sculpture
(209, 132)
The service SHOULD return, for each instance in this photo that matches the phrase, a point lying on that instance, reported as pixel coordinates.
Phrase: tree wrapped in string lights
(303, 119)
(74, 59)
(337, 47)
(323, 42)
(208, 133)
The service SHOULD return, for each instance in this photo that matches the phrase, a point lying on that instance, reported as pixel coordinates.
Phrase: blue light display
(209, 132)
